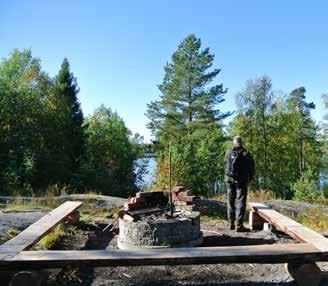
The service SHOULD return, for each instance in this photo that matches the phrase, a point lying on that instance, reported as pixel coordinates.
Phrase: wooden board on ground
(291, 227)
(278, 253)
(39, 229)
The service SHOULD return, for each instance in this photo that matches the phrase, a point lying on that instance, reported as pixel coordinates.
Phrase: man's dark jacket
(246, 172)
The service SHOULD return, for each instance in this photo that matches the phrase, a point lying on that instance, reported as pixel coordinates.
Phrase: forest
(47, 143)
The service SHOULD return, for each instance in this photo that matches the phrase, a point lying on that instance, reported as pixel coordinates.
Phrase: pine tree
(186, 101)
(187, 107)
(70, 116)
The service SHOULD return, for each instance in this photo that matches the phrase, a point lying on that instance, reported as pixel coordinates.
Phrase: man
(239, 171)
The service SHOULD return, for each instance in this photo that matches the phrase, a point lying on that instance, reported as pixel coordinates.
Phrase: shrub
(305, 189)
(325, 191)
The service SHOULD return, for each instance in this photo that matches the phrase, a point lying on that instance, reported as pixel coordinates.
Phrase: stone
(308, 274)
(177, 189)
(128, 217)
(184, 194)
(180, 203)
(187, 198)
(26, 278)
(73, 218)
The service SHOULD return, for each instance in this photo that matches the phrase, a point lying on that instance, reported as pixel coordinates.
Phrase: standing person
(239, 171)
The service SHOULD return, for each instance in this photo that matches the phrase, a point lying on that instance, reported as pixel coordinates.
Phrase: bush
(305, 189)
(325, 191)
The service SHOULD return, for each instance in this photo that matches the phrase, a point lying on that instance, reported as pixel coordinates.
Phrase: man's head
(237, 141)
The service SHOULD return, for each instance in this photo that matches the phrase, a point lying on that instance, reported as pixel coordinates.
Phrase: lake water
(151, 169)
(150, 177)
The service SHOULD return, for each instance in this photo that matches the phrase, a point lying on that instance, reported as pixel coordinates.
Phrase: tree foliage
(71, 116)
(324, 144)
(187, 114)
(43, 139)
(255, 102)
(110, 154)
(279, 131)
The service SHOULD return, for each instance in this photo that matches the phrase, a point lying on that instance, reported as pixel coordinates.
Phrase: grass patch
(2, 239)
(261, 196)
(89, 212)
(253, 196)
(58, 233)
(19, 204)
(314, 219)
(15, 207)
(50, 240)
(212, 217)
(12, 232)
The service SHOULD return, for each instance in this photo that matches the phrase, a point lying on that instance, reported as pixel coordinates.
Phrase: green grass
(2, 240)
(11, 232)
(314, 219)
(14, 207)
(58, 233)
(212, 217)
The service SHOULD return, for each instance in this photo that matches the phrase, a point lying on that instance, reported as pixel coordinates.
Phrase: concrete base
(269, 227)
(255, 221)
(160, 232)
(305, 274)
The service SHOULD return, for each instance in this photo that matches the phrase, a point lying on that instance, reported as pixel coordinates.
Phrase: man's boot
(241, 228)
(232, 226)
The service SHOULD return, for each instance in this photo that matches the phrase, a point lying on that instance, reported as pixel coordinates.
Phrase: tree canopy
(45, 140)
(188, 114)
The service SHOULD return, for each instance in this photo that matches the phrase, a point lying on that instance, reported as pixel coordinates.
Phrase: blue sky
(117, 49)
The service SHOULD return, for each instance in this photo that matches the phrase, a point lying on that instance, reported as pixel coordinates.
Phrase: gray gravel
(17, 220)
(200, 275)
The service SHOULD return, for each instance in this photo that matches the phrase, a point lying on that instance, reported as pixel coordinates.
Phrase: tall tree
(70, 114)
(111, 154)
(281, 134)
(304, 124)
(24, 126)
(187, 104)
(324, 140)
(254, 105)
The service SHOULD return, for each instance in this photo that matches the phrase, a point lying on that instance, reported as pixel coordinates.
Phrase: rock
(305, 274)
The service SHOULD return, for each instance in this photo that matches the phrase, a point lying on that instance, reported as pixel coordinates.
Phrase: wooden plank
(39, 229)
(277, 253)
(291, 227)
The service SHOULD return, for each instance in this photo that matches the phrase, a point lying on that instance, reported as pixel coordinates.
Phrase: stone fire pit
(142, 224)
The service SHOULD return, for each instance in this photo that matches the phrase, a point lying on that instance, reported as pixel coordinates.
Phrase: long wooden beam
(278, 253)
(291, 227)
(37, 230)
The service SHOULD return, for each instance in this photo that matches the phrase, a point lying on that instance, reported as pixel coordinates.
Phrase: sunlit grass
(12, 232)
(314, 219)
(58, 233)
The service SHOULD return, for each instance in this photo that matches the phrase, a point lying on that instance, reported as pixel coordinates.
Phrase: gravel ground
(91, 237)
(17, 221)
(215, 235)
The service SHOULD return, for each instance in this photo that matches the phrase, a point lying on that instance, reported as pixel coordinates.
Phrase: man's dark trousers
(237, 196)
